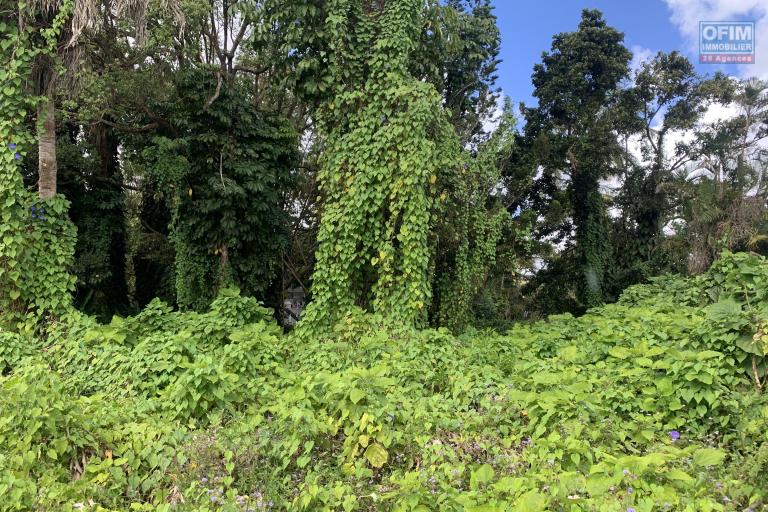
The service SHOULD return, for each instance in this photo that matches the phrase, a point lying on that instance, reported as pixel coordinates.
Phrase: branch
(292, 271)
(216, 93)
(756, 374)
(239, 37)
(130, 129)
(117, 183)
(215, 39)
(248, 69)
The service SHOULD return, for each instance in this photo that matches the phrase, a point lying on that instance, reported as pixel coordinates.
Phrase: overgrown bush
(642, 405)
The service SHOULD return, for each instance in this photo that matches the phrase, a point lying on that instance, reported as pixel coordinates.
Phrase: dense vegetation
(646, 404)
(359, 152)
(568, 315)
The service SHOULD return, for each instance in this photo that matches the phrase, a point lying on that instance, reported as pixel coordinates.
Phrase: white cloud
(640, 55)
(719, 112)
(686, 14)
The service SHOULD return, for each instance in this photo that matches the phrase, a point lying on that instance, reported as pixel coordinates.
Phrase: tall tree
(666, 98)
(386, 140)
(458, 52)
(79, 17)
(576, 86)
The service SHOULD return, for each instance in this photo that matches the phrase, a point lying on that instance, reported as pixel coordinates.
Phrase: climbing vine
(475, 235)
(222, 171)
(37, 237)
(386, 141)
(469, 223)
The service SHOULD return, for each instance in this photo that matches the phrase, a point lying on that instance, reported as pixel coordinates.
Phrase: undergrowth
(650, 404)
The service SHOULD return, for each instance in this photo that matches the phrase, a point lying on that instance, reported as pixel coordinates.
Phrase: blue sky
(527, 28)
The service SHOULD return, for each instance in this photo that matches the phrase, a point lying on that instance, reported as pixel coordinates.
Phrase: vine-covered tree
(572, 130)
(386, 139)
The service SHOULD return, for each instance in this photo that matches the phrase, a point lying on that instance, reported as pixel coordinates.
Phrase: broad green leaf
(376, 455)
(708, 457)
(356, 395)
(532, 501)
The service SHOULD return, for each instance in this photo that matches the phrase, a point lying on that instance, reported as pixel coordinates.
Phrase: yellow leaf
(433, 179)
(189, 191)
(376, 454)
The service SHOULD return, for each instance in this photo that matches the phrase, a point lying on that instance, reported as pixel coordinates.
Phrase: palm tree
(82, 17)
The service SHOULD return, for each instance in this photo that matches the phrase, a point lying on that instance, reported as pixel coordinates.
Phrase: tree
(230, 223)
(666, 98)
(725, 188)
(37, 237)
(386, 141)
(470, 221)
(81, 16)
(573, 125)
(458, 52)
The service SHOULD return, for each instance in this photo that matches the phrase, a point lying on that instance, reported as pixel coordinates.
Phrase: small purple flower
(674, 435)
(16, 156)
(630, 509)
(214, 499)
(204, 480)
(12, 145)
(630, 490)
(626, 472)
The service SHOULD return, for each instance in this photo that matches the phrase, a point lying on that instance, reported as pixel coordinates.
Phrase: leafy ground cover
(650, 404)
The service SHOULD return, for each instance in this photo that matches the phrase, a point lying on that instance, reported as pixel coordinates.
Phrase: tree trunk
(46, 148)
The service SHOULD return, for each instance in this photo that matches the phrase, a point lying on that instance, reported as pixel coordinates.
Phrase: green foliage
(14, 348)
(470, 224)
(726, 207)
(223, 175)
(37, 236)
(738, 317)
(387, 143)
(47, 253)
(572, 131)
(457, 52)
(666, 93)
(653, 403)
(639, 405)
(89, 177)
